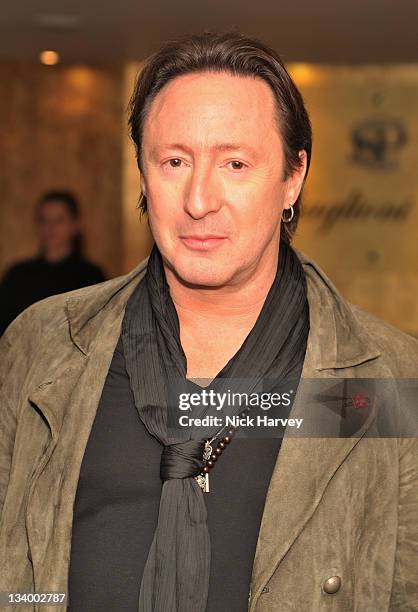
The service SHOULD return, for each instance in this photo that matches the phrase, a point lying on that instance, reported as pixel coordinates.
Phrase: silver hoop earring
(291, 215)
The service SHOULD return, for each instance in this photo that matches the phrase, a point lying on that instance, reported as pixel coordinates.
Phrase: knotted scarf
(176, 574)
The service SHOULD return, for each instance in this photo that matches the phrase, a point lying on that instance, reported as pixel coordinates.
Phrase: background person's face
(213, 166)
(57, 227)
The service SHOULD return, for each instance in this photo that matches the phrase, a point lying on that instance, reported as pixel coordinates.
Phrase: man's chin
(203, 274)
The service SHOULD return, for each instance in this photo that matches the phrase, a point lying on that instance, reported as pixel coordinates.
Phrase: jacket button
(332, 585)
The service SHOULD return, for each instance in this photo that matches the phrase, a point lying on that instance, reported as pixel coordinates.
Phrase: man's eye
(237, 165)
(175, 162)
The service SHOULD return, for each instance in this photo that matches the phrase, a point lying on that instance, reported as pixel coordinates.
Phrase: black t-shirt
(117, 501)
(35, 279)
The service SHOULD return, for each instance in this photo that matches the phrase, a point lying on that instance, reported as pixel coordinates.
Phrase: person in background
(59, 266)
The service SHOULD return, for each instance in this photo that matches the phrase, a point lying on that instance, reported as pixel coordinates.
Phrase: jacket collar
(337, 339)
(86, 307)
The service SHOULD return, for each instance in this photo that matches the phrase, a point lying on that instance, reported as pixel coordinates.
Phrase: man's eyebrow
(219, 146)
(234, 146)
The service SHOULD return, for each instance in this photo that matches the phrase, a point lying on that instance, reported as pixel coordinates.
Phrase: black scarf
(176, 574)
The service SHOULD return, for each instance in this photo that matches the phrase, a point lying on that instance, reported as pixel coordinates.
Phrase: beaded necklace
(211, 456)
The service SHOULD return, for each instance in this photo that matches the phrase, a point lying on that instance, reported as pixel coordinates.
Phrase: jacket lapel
(68, 400)
(94, 315)
(305, 465)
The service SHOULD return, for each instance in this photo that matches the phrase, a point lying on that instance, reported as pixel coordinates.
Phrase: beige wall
(365, 158)
(60, 128)
(137, 239)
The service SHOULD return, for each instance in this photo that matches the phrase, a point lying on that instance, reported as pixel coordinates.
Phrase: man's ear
(143, 184)
(295, 181)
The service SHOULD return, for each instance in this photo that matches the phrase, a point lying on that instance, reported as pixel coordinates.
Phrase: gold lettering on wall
(360, 212)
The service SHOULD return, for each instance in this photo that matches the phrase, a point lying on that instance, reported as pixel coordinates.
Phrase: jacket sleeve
(14, 360)
(404, 596)
(7, 415)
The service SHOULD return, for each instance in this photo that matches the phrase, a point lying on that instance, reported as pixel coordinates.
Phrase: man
(110, 508)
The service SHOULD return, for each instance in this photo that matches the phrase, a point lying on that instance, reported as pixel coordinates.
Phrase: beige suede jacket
(340, 524)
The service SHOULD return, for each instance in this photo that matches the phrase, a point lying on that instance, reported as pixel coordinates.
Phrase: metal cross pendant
(207, 451)
(203, 479)
(203, 482)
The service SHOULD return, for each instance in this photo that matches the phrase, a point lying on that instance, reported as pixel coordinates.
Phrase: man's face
(212, 171)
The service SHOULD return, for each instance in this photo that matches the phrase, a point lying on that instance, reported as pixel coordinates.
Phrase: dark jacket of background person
(35, 279)
(340, 520)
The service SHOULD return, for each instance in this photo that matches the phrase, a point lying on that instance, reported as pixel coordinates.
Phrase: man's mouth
(202, 242)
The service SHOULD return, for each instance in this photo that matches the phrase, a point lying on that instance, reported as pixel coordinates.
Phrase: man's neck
(235, 301)
(214, 322)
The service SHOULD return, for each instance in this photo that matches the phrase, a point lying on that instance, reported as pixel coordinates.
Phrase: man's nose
(202, 194)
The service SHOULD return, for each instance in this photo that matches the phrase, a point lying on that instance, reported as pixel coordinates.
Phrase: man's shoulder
(397, 347)
(49, 314)
(46, 318)
(398, 350)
